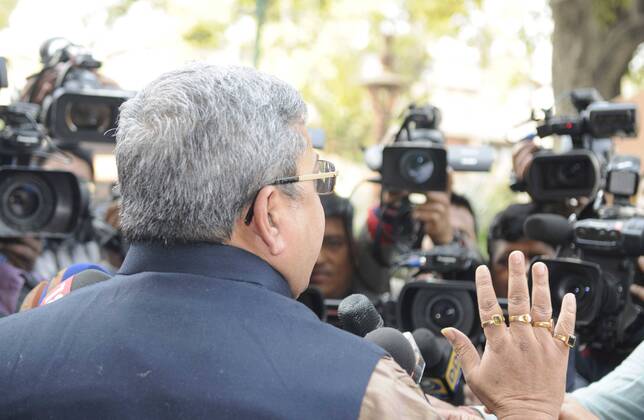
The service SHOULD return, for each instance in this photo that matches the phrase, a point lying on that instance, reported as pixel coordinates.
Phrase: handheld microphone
(358, 315)
(443, 375)
(77, 281)
(549, 228)
(395, 343)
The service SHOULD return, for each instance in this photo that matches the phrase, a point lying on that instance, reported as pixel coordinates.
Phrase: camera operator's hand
(522, 158)
(434, 214)
(523, 369)
(21, 252)
(636, 290)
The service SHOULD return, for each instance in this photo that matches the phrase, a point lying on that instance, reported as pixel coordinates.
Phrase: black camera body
(417, 160)
(553, 177)
(33, 201)
(599, 267)
(414, 166)
(581, 171)
(37, 202)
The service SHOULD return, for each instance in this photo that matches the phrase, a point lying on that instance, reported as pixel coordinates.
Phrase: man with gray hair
(219, 186)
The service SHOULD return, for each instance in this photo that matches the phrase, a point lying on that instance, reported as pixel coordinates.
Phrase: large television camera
(597, 260)
(44, 203)
(82, 105)
(580, 171)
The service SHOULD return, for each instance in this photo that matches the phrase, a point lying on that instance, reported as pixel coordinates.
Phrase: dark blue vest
(196, 331)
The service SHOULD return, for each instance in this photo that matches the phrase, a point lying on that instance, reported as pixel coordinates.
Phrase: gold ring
(523, 318)
(497, 319)
(568, 340)
(549, 325)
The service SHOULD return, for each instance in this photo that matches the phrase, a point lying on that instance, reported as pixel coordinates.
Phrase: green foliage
(205, 34)
(437, 15)
(608, 12)
(6, 7)
(119, 9)
(343, 107)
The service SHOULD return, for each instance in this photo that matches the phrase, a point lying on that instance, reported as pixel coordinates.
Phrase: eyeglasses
(324, 182)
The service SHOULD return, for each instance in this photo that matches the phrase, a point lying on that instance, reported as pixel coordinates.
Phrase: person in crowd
(219, 187)
(618, 395)
(446, 217)
(505, 234)
(335, 272)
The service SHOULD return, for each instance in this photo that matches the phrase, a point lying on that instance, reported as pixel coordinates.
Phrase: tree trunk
(592, 45)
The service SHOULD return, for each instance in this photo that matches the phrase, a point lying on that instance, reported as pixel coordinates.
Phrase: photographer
(335, 272)
(446, 218)
(505, 234)
(49, 177)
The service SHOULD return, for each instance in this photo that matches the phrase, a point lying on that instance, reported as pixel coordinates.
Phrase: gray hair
(195, 146)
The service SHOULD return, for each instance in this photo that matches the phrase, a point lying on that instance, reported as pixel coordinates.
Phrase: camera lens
(578, 286)
(443, 313)
(417, 166)
(26, 202)
(569, 174)
(437, 309)
(81, 116)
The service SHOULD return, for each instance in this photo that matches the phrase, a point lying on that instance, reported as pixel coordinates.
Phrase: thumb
(464, 349)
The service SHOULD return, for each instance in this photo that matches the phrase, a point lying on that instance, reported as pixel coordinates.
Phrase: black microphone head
(549, 228)
(426, 342)
(87, 278)
(394, 343)
(358, 315)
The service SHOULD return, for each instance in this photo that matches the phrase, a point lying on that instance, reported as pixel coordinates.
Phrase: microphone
(77, 281)
(358, 315)
(442, 378)
(33, 298)
(549, 228)
(395, 343)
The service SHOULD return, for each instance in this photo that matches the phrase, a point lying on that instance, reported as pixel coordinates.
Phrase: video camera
(597, 260)
(417, 160)
(43, 203)
(82, 106)
(580, 171)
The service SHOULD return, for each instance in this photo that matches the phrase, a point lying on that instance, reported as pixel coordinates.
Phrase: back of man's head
(195, 146)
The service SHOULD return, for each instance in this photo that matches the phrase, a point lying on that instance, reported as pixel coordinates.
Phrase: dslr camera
(580, 171)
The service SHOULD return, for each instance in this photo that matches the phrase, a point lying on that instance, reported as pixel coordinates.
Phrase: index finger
(488, 304)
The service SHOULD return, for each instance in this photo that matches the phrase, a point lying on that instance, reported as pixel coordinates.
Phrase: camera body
(580, 171)
(598, 267)
(415, 166)
(33, 201)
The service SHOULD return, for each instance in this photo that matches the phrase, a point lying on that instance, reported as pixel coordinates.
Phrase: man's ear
(268, 219)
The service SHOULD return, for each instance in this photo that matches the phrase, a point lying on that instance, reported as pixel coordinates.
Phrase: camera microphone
(549, 228)
(443, 374)
(358, 315)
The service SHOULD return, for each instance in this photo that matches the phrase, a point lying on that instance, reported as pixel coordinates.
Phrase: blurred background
(488, 65)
